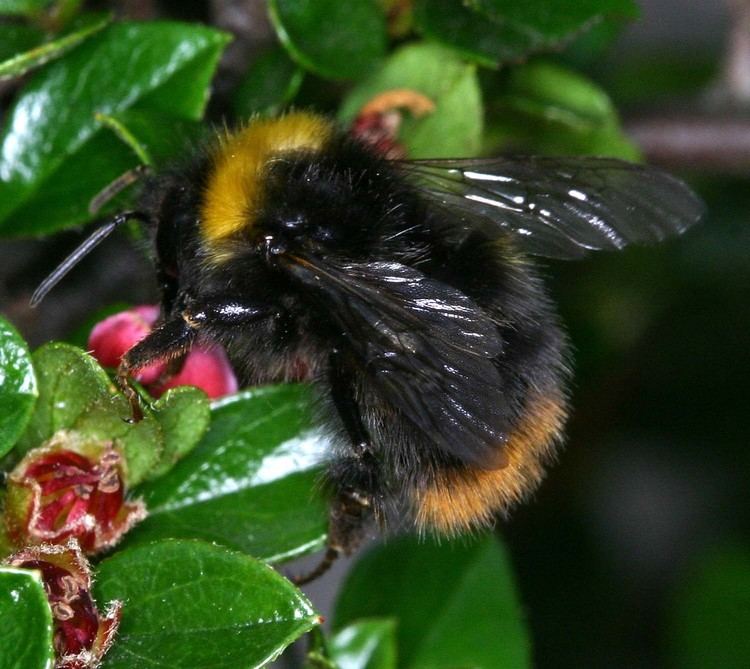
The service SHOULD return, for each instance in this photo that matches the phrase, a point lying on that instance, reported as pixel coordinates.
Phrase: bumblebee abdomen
(461, 498)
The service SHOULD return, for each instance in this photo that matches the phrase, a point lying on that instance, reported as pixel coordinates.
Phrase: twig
(703, 142)
(734, 85)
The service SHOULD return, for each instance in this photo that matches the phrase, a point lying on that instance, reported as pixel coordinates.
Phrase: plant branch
(703, 142)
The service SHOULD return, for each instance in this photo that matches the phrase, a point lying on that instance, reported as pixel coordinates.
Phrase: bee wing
(560, 207)
(428, 347)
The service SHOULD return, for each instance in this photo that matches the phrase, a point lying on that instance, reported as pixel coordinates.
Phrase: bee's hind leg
(348, 521)
(356, 476)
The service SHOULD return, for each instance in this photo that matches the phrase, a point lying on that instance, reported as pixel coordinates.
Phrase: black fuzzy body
(345, 203)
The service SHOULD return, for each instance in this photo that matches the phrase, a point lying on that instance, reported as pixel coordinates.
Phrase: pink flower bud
(70, 487)
(114, 336)
(204, 367)
(82, 635)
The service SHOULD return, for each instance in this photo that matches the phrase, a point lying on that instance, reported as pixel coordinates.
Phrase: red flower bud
(82, 635)
(70, 487)
(205, 368)
(114, 336)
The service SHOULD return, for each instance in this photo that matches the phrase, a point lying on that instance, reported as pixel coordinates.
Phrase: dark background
(621, 556)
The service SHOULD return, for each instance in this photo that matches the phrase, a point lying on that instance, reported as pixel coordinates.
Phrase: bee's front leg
(169, 341)
(172, 340)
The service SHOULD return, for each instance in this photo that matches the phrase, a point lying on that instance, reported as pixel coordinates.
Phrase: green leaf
(558, 95)
(455, 605)
(271, 82)
(366, 644)
(191, 604)
(25, 621)
(250, 484)
(23, 7)
(18, 387)
(56, 156)
(493, 32)
(23, 62)
(338, 40)
(545, 108)
(593, 45)
(184, 415)
(711, 613)
(15, 38)
(76, 394)
(454, 129)
(141, 443)
(142, 130)
(69, 381)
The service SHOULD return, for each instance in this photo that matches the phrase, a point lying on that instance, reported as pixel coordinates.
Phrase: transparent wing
(560, 207)
(427, 347)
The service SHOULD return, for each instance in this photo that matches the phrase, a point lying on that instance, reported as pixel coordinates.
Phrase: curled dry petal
(82, 634)
(379, 121)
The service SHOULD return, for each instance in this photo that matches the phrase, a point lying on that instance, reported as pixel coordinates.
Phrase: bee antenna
(86, 246)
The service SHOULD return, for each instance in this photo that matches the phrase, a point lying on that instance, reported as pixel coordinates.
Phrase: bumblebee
(404, 289)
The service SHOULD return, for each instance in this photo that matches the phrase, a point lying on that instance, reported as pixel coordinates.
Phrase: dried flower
(378, 122)
(82, 634)
(70, 487)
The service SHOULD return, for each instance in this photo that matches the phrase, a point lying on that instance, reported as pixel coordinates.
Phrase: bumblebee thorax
(235, 189)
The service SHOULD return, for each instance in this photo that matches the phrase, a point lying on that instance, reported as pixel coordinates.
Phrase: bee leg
(342, 392)
(352, 508)
(167, 342)
(173, 339)
(347, 522)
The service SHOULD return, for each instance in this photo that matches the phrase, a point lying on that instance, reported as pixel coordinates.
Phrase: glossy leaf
(455, 127)
(710, 617)
(184, 415)
(141, 443)
(338, 40)
(455, 604)
(556, 94)
(192, 604)
(25, 621)
(542, 107)
(55, 155)
(250, 484)
(366, 644)
(76, 394)
(18, 387)
(142, 130)
(15, 38)
(271, 82)
(23, 62)
(23, 7)
(492, 32)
